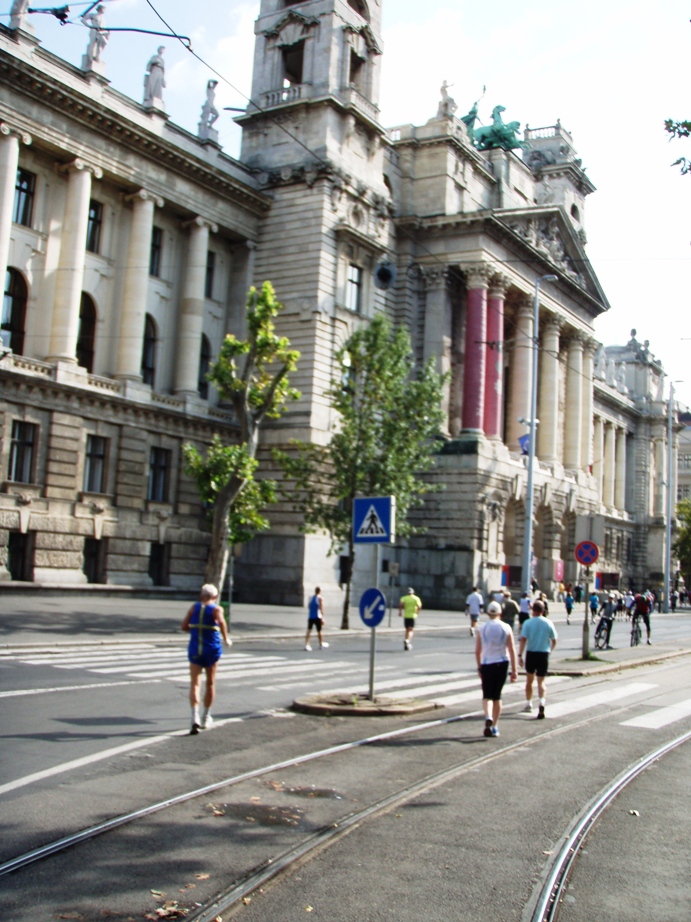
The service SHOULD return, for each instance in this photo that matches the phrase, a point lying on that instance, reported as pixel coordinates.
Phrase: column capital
(434, 276)
(498, 285)
(6, 129)
(576, 340)
(142, 195)
(590, 345)
(477, 274)
(199, 221)
(554, 324)
(80, 166)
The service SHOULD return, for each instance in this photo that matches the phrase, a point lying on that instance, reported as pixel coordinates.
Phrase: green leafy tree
(383, 440)
(679, 130)
(682, 544)
(252, 375)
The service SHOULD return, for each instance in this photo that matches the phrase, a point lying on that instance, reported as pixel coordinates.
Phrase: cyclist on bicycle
(641, 609)
(608, 611)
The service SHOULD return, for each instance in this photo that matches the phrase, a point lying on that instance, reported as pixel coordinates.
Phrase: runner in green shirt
(408, 607)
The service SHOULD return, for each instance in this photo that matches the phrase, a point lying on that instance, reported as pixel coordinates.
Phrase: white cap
(494, 608)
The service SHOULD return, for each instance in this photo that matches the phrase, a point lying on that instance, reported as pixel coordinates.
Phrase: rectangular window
(156, 250)
(93, 230)
(95, 555)
(159, 564)
(353, 299)
(22, 452)
(293, 63)
(20, 556)
(159, 475)
(210, 269)
(95, 464)
(24, 198)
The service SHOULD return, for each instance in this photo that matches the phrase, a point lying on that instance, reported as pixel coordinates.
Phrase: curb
(360, 706)
(604, 667)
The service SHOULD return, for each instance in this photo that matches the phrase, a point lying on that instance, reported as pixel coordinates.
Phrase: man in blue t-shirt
(315, 619)
(539, 635)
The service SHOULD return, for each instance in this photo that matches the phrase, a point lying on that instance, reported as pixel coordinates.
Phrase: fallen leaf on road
(187, 887)
(309, 909)
(159, 894)
(202, 876)
(71, 915)
(634, 813)
(255, 800)
(548, 853)
(247, 900)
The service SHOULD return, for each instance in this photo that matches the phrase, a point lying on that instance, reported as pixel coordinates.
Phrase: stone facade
(130, 245)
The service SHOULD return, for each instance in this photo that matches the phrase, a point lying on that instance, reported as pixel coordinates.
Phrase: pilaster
(620, 474)
(609, 466)
(589, 349)
(10, 139)
(573, 416)
(437, 338)
(520, 374)
(548, 384)
(494, 356)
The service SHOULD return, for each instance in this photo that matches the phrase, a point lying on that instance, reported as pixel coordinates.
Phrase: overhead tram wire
(186, 42)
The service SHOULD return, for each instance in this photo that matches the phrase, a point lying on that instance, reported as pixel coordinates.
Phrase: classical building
(129, 245)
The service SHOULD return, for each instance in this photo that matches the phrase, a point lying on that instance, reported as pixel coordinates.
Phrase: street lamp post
(532, 430)
(670, 500)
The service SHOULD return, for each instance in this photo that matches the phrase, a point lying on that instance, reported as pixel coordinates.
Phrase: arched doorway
(14, 301)
(87, 333)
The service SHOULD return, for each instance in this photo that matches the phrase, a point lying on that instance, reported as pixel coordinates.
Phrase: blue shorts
(206, 658)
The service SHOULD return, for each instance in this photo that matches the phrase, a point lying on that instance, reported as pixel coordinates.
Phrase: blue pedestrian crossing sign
(374, 520)
(372, 607)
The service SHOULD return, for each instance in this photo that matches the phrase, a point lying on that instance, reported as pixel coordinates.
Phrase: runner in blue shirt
(539, 635)
(206, 623)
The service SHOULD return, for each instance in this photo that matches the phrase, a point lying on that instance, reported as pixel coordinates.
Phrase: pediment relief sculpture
(544, 234)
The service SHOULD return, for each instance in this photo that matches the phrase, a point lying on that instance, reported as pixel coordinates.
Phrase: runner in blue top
(539, 635)
(206, 624)
(315, 618)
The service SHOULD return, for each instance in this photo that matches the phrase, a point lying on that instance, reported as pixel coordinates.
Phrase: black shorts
(523, 617)
(315, 622)
(536, 663)
(409, 623)
(493, 677)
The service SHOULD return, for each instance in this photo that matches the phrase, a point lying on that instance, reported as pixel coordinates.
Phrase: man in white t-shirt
(494, 648)
(473, 606)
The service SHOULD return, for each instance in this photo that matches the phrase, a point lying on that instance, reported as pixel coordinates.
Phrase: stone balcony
(286, 94)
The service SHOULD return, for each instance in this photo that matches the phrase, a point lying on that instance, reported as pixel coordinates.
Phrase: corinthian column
(133, 307)
(494, 356)
(437, 337)
(610, 469)
(473, 419)
(620, 475)
(548, 406)
(573, 416)
(70, 272)
(587, 416)
(192, 308)
(598, 454)
(9, 161)
(520, 374)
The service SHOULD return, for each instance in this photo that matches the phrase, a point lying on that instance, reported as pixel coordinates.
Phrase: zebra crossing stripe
(661, 717)
(181, 662)
(563, 708)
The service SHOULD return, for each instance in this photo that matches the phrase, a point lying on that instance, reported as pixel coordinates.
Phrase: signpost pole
(372, 648)
(585, 649)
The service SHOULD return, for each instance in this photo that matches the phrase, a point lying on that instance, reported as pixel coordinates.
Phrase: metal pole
(532, 429)
(668, 510)
(373, 643)
(585, 647)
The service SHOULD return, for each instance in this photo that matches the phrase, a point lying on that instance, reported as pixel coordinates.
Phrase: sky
(611, 70)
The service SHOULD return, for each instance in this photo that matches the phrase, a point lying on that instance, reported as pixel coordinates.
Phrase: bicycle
(636, 633)
(600, 638)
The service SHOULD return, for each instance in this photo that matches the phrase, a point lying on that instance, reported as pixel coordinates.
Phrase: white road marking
(393, 683)
(44, 691)
(562, 708)
(182, 664)
(661, 717)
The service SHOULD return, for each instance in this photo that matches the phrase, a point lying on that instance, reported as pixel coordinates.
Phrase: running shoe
(308, 647)
(650, 643)
(322, 645)
(528, 709)
(541, 713)
(195, 729)
(494, 731)
(207, 722)
(488, 731)
(488, 727)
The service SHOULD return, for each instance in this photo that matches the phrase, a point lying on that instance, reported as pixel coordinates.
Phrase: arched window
(575, 213)
(204, 359)
(14, 312)
(149, 351)
(360, 7)
(87, 333)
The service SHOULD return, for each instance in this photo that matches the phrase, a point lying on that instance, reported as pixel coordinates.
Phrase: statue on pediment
(205, 129)
(154, 80)
(447, 106)
(98, 37)
(18, 12)
(601, 364)
(499, 135)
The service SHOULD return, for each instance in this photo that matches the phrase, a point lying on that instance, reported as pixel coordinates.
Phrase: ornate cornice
(118, 129)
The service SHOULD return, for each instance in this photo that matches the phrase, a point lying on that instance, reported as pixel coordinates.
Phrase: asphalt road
(478, 840)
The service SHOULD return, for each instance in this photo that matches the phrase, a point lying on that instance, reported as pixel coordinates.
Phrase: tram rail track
(311, 845)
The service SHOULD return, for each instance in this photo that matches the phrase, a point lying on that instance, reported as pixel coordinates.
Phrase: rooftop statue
(499, 134)
(154, 80)
(447, 106)
(470, 119)
(18, 12)
(98, 37)
(205, 129)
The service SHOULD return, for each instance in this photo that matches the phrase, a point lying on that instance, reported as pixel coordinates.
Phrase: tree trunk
(217, 560)
(345, 622)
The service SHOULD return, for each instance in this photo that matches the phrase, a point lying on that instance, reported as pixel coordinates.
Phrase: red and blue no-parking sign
(587, 553)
